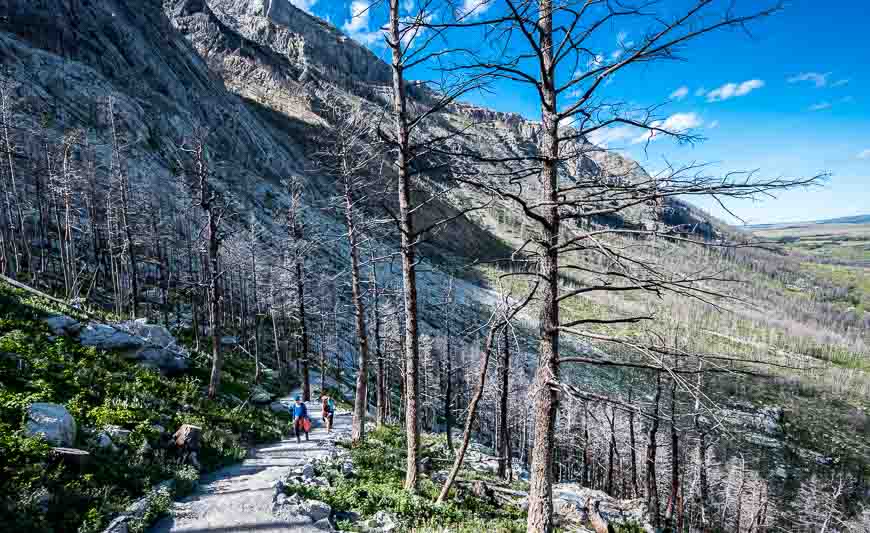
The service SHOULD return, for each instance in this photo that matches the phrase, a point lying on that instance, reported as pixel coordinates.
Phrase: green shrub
(186, 478)
(377, 485)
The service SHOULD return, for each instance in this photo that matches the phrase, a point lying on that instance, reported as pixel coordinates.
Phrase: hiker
(327, 407)
(301, 422)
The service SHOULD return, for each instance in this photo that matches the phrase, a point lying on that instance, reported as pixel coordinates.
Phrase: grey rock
(382, 522)
(105, 337)
(308, 471)
(570, 501)
(316, 510)
(104, 442)
(63, 325)
(53, 422)
(145, 448)
(153, 334)
(278, 407)
(347, 468)
(260, 395)
(160, 358)
(323, 524)
(42, 499)
(440, 476)
(118, 434)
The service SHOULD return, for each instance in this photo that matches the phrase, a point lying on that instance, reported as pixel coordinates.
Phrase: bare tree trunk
(409, 277)
(545, 398)
(675, 459)
(633, 450)
(380, 390)
(585, 476)
(611, 420)
(212, 274)
(297, 234)
(210, 267)
(652, 491)
(257, 310)
(360, 403)
(702, 452)
(124, 193)
(323, 315)
(303, 331)
(16, 215)
(448, 371)
(472, 413)
(504, 454)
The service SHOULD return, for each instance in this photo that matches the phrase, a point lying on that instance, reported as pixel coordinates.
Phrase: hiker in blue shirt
(301, 422)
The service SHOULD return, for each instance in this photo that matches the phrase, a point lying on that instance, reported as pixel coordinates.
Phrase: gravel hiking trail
(239, 497)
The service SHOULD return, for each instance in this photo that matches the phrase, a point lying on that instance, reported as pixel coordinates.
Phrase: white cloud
(864, 154)
(840, 83)
(713, 125)
(474, 8)
(304, 5)
(731, 90)
(677, 123)
(359, 17)
(700, 91)
(680, 93)
(606, 136)
(621, 37)
(820, 106)
(357, 27)
(820, 80)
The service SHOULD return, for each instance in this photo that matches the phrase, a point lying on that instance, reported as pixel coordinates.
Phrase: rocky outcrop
(259, 395)
(316, 512)
(106, 337)
(138, 509)
(152, 345)
(62, 325)
(573, 505)
(52, 422)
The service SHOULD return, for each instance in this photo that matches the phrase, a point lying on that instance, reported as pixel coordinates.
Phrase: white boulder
(53, 422)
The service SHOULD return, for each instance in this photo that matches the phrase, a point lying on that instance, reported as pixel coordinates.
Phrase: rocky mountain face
(243, 69)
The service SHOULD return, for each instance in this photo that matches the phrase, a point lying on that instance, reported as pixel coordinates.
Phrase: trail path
(239, 497)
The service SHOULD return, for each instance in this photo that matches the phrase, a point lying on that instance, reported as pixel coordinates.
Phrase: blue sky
(789, 100)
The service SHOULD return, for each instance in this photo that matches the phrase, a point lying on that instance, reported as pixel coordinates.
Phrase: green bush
(186, 478)
(377, 485)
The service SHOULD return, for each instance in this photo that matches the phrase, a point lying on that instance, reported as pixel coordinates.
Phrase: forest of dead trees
(77, 222)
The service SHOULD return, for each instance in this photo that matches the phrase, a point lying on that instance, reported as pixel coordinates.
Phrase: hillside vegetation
(103, 389)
